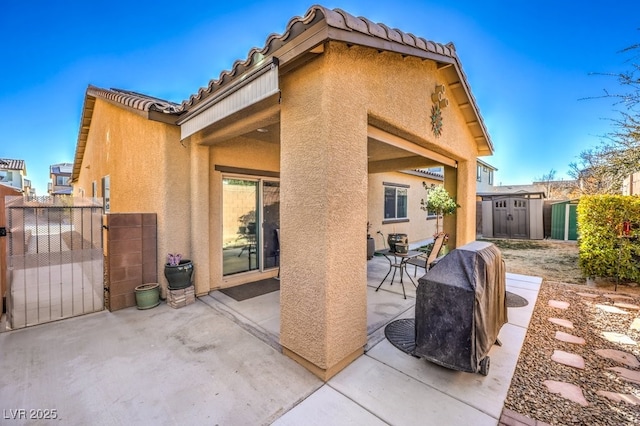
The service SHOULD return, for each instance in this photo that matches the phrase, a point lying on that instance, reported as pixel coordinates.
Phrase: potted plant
(178, 271)
(440, 203)
(147, 295)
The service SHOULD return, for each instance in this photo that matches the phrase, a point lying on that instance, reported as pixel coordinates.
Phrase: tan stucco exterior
(418, 227)
(348, 119)
(146, 166)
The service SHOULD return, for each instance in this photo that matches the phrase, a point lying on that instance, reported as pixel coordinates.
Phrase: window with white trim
(395, 201)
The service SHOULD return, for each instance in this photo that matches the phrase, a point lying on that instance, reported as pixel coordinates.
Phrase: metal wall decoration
(436, 120)
(439, 102)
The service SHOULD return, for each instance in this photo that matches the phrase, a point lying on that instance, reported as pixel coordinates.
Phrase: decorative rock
(635, 325)
(567, 391)
(627, 305)
(626, 374)
(567, 358)
(620, 397)
(612, 309)
(589, 295)
(559, 304)
(619, 356)
(561, 322)
(569, 338)
(618, 338)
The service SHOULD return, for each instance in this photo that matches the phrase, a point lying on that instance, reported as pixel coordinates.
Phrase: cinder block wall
(131, 256)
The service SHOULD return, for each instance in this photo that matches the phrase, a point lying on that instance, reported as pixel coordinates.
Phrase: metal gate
(510, 217)
(55, 259)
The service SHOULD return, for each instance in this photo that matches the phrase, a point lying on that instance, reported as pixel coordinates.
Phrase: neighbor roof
(9, 164)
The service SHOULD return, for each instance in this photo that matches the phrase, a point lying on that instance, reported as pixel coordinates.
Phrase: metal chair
(427, 261)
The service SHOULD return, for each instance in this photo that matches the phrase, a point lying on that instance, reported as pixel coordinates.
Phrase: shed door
(518, 222)
(510, 218)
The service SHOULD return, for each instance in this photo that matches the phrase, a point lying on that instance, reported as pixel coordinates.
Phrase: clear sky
(530, 65)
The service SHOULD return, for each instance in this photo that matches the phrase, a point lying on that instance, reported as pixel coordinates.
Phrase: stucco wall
(418, 228)
(241, 153)
(148, 170)
(325, 109)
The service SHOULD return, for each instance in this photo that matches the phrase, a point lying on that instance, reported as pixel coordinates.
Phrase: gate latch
(3, 231)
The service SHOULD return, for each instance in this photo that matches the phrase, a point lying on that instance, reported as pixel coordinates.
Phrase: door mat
(250, 290)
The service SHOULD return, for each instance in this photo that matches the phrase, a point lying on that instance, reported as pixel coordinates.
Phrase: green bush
(604, 252)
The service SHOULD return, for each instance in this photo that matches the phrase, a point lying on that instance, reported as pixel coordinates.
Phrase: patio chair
(426, 261)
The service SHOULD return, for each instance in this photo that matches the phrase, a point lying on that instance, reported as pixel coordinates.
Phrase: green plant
(438, 201)
(604, 249)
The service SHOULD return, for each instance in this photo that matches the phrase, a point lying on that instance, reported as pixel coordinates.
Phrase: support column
(450, 221)
(200, 217)
(323, 216)
(460, 182)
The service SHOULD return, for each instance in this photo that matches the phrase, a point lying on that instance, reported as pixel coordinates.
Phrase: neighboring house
(484, 176)
(631, 184)
(60, 175)
(277, 167)
(29, 191)
(13, 173)
(513, 211)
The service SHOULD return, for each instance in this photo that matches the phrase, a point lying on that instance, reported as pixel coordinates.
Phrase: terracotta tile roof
(345, 27)
(9, 164)
(134, 100)
(335, 18)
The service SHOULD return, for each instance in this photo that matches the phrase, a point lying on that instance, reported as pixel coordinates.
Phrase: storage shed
(513, 212)
(564, 220)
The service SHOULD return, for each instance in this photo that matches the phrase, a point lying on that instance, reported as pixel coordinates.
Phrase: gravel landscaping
(607, 388)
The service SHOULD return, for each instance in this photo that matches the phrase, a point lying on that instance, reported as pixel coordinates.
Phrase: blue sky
(530, 64)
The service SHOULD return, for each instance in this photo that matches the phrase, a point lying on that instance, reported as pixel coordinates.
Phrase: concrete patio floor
(218, 361)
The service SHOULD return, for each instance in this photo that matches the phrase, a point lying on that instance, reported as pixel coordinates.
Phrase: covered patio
(260, 316)
(80, 369)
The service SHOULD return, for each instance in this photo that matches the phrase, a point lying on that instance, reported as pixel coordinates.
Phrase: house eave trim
(249, 89)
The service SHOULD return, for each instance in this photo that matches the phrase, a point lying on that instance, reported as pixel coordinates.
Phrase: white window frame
(395, 187)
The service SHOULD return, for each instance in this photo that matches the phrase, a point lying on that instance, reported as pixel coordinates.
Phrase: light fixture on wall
(262, 130)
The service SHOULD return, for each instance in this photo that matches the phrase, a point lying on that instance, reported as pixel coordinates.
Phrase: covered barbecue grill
(460, 308)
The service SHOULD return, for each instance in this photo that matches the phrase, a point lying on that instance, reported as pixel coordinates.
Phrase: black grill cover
(461, 306)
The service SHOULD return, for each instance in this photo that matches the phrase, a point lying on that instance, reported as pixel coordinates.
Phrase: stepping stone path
(574, 393)
(617, 297)
(618, 338)
(626, 374)
(620, 397)
(612, 309)
(619, 356)
(589, 295)
(569, 338)
(567, 390)
(558, 304)
(567, 358)
(562, 322)
(626, 305)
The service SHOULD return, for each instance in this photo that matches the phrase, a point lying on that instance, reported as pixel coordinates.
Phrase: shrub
(604, 251)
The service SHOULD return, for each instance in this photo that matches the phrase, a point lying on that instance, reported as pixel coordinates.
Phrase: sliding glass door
(251, 221)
